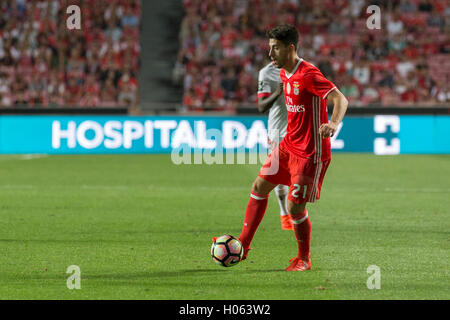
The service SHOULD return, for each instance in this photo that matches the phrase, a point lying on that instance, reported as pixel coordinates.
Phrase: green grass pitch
(140, 227)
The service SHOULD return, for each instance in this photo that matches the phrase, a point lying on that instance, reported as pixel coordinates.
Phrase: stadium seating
(223, 45)
(43, 63)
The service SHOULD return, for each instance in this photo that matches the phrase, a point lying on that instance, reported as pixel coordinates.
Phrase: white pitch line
(32, 156)
(22, 157)
(9, 186)
(388, 190)
(425, 190)
(105, 187)
(221, 188)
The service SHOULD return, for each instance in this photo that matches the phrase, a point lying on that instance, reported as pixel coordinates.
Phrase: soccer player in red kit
(304, 154)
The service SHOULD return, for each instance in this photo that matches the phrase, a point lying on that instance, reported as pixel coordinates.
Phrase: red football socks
(302, 230)
(256, 208)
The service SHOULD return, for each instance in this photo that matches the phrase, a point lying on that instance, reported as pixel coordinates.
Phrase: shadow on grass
(139, 276)
(177, 273)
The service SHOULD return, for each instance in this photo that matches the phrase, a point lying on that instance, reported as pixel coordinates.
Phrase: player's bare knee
(256, 187)
(261, 186)
(295, 209)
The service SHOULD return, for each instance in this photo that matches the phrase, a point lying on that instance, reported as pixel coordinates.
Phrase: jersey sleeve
(263, 85)
(318, 85)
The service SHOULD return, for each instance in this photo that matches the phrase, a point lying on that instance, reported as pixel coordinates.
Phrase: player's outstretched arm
(340, 104)
(265, 104)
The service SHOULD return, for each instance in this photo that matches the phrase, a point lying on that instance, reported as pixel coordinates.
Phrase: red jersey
(305, 91)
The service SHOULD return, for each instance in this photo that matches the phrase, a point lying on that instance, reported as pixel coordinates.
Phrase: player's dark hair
(286, 33)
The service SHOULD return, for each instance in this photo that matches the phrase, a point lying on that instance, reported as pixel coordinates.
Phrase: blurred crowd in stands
(42, 62)
(406, 62)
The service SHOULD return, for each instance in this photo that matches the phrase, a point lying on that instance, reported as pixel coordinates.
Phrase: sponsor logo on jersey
(295, 108)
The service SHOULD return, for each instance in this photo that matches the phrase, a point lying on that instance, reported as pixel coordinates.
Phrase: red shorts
(303, 176)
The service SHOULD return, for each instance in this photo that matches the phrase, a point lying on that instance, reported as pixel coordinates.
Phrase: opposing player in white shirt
(270, 97)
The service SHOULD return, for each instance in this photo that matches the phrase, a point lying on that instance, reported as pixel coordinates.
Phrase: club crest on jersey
(296, 88)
